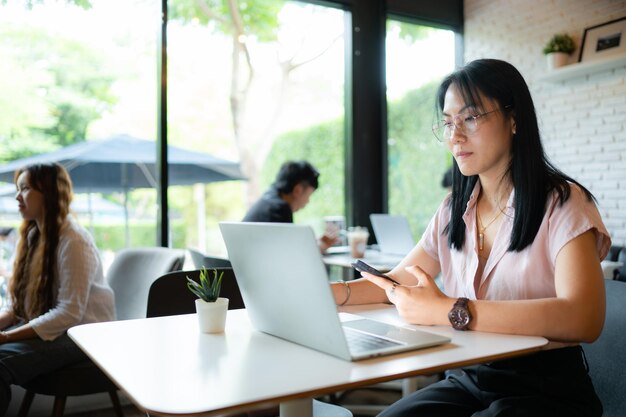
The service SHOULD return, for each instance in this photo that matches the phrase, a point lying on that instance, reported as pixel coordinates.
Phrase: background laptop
(285, 288)
(393, 233)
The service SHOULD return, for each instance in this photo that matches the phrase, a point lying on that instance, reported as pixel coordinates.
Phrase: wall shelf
(581, 69)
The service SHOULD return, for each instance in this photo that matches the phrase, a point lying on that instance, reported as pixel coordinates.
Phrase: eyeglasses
(467, 125)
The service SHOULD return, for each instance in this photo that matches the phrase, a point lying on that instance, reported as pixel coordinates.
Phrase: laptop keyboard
(361, 342)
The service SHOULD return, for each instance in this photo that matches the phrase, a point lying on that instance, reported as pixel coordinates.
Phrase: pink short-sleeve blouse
(510, 275)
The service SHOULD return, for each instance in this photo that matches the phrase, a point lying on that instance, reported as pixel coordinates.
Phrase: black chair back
(200, 260)
(613, 253)
(606, 355)
(620, 272)
(170, 296)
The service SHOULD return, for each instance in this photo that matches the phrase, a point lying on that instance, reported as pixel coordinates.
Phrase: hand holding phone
(363, 267)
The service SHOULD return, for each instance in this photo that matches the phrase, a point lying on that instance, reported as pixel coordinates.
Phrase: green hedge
(417, 161)
(109, 237)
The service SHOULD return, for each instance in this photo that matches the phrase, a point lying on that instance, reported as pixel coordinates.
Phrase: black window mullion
(161, 146)
(366, 148)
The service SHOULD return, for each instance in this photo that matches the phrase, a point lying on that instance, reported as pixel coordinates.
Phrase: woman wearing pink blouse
(518, 245)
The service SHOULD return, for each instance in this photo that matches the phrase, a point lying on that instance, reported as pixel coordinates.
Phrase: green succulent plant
(208, 289)
(561, 42)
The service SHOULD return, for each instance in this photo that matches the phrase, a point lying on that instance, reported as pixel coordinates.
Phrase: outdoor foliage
(85, 4)
(417, 161)
(322, 146)
(63, 85)
(111, 237)
(258, 18)
(223, 201)
(254, 26)
(411, 32)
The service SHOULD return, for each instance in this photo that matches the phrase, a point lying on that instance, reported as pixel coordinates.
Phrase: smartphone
(363, 267)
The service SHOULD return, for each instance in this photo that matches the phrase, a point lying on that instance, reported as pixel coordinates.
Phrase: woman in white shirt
(57, 282)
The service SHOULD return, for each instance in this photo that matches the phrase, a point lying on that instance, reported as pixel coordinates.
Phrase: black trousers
(25, 360)
(548, 383)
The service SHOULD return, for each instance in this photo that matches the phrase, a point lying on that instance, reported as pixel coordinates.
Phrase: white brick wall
(583, 120)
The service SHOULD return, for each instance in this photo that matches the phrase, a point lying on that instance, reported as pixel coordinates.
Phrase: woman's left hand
(423, 303)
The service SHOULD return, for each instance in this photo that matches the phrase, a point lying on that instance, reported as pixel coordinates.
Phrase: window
(279, 96)
(417, 59)
(69, 76)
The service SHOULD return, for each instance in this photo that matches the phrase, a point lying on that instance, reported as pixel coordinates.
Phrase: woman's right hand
(423, 303)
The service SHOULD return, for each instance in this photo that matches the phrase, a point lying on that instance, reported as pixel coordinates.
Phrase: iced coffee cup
(357, 240)
(334, 227)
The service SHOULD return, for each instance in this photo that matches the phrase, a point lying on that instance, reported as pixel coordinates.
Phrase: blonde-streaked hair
(34, 270)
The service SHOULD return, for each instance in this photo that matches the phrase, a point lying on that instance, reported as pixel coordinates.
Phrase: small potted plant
(210, 307)
(558, 49)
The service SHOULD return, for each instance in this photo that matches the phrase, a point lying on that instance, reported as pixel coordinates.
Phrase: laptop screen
(284, 285)
(393, 233)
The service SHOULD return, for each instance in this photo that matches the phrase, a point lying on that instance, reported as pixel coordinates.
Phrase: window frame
(365, 106)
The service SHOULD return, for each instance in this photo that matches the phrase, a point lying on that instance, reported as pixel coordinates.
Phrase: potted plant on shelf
(558, 49)
(210, 307)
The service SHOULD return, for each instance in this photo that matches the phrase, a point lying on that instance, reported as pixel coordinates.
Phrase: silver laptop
(285, 287)
(393, 233)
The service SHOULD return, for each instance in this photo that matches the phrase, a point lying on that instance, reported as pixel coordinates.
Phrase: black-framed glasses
(466, 124)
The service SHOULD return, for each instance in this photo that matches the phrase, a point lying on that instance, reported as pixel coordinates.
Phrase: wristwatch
(460, 316)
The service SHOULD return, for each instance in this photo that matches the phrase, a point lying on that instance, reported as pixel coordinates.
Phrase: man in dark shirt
(294, 184)
(270, 208)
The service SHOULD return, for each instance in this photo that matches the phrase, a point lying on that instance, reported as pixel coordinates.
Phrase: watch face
(459, 318)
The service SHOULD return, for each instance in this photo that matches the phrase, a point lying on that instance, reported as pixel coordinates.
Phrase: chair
(81, 379)
(200, 260)
(613, 253)
(620, 272)
(170, 296)
(133, 272)
(606, 355)
(130, 277)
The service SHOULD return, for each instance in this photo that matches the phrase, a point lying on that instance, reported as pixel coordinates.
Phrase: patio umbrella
(122, 163)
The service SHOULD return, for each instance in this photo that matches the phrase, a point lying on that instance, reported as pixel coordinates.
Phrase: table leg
(297, 408)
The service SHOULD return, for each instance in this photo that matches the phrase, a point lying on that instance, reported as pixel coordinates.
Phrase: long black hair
(35, 263)
(533, 176)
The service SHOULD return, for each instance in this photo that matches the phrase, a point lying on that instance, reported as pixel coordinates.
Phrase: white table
(167, 367)
(381, 261)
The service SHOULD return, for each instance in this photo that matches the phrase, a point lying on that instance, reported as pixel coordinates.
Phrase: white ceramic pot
(556, 60)
(212, 316)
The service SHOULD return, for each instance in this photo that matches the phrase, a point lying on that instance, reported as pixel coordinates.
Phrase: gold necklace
(481, 231)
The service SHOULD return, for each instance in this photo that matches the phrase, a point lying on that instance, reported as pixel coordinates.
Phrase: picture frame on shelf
(603, 40)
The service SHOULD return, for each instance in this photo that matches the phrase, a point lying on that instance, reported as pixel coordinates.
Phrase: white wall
(583, 120)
